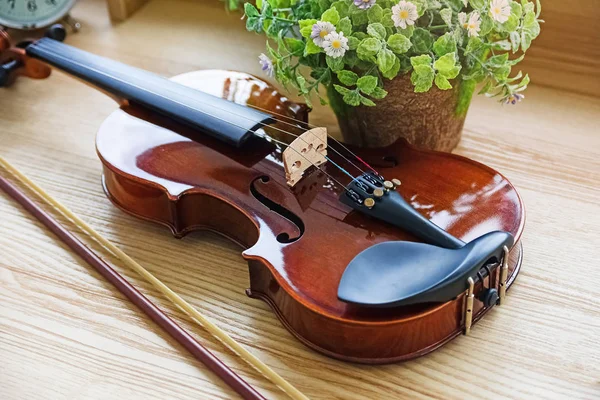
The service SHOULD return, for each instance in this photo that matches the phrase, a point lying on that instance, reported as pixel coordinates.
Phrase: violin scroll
(15, 62)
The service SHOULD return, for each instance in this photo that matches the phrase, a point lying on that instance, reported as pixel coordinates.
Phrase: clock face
(32, 14)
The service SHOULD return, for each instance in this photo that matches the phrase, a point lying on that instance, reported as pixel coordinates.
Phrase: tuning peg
(56, 32)
(7, 70)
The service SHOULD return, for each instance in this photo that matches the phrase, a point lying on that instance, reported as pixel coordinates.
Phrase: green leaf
(523, 84)
(405, 65)
(345, 26)
(458, 37)
(353, 42)
(422, 40)
(531, 28)
(421, 6)
(477, 4)
(497, 61)
(422, 78)
(295, 46)
(473, 45)
(408, 32)
(368, 48)
(351, 59)
(366, 102)
(348, 78)
(359, 18)
(502, 73)
(375, 13)
(342, 90)
(446, 14)
(250, 10)
(385, 60)
(367, 83)
(311, 48)
(306, 31)
(515, 41)
(399, 43)
(442, 82)
(526, 40)
(424, 59)
(304, 23)
(274, 55)
(527, 6)
(342, 8)
(253, 24)
(336, 64)
(445, 63)
(516, 77)
(352, 98)
(503, 45)
(392, 72)
(487, 24)
(319, 5)
(516, 60)
(331, 15)
(451, 73)
(444, 44)
(301, 84)
(377, 30)
(378, 93)
(386, 18)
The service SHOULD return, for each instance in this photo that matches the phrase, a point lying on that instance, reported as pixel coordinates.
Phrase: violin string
(204, 103)
(183, 305)
(329, 136)
(269, 138)
(187, 106)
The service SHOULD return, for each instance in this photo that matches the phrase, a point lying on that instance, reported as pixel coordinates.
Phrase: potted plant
(397, 68)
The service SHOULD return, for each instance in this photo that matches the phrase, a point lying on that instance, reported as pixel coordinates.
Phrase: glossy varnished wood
(160, 171)
(64, 334)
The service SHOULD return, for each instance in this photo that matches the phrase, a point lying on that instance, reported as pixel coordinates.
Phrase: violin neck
(225, 120)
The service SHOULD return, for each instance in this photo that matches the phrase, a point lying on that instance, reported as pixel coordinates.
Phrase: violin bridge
(306, 150)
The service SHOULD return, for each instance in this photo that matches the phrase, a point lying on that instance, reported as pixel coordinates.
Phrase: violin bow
(144, 304)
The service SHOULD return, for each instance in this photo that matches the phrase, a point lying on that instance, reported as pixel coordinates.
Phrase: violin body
(299, 241)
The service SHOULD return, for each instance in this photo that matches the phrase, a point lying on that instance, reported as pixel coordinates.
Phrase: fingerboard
(222, 119)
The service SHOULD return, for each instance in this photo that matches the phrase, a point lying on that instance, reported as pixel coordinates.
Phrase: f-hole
(279, 209)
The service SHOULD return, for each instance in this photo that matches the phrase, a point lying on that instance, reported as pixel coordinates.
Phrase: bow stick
(183, 305)
(161, 319)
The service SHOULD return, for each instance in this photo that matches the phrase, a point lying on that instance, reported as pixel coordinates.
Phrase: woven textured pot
(432, 120)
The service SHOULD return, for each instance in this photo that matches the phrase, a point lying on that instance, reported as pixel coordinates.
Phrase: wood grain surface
(67, 334)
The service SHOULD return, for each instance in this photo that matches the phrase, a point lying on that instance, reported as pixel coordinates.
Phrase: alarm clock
(33, 14)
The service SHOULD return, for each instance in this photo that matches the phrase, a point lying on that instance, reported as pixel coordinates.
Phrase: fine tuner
(351, 260)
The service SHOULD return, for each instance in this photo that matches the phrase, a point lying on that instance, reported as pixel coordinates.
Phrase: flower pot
(432, 120)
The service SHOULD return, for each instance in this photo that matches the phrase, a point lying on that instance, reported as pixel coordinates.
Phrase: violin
(368, 255)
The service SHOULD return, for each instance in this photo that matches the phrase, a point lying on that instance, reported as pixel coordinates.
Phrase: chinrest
(394, 274)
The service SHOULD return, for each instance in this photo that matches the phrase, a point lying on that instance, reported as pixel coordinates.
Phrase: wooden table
(66, 334)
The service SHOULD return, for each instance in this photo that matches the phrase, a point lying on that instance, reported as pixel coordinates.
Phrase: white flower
(335, 44)
(500, 10)
(320, 30)
(472, 26)
(404, 13)
(266, 64)
(466, 3)
(462, 19)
